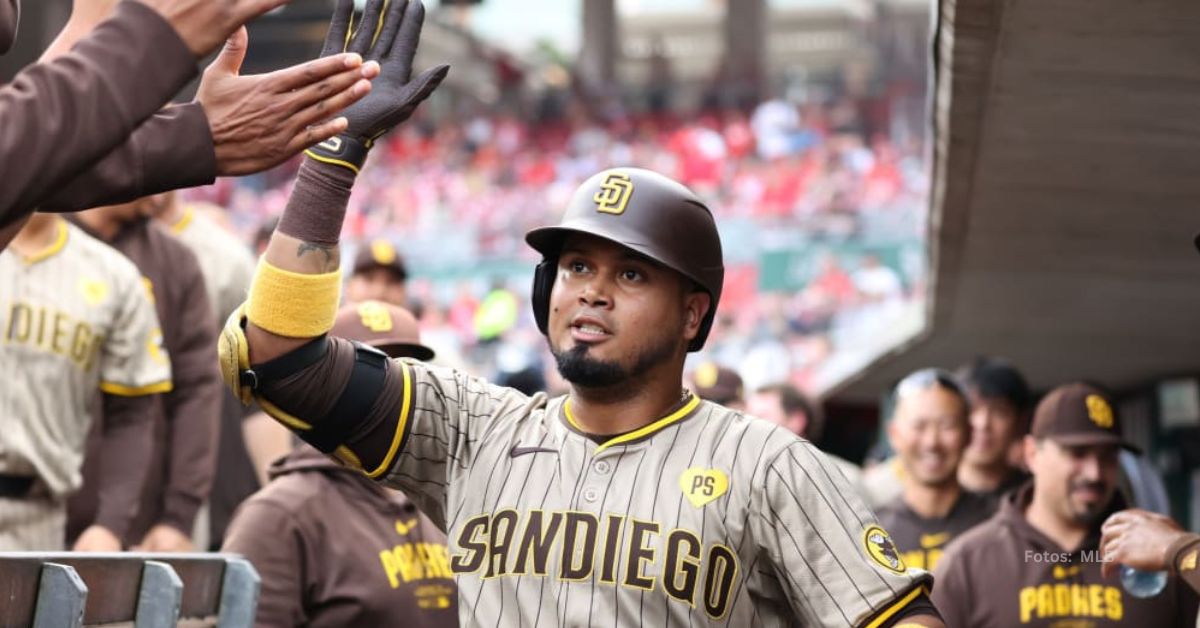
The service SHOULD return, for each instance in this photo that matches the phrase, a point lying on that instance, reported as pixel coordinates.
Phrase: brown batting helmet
(647, 213)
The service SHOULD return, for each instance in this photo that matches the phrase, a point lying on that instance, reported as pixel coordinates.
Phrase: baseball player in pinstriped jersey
(627, 502)
(77, 321)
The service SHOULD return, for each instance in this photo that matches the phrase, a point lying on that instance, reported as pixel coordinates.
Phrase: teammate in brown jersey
(629, 501)
(1038, 561)
(929, 432)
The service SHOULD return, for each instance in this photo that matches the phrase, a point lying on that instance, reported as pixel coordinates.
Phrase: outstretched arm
(237, 125)
(294, 295)
(62, 116)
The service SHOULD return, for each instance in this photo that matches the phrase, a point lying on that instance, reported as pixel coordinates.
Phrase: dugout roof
(1066, 193)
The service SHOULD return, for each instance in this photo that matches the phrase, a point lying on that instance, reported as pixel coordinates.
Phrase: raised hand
(259, 121)
(1138, 539)
(389, 34)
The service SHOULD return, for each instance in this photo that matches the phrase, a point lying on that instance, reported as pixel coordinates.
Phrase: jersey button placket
(591, 494)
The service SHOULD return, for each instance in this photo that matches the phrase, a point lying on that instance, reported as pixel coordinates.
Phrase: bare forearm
(306, 242)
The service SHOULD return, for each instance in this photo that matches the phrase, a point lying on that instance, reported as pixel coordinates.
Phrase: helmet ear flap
(543, 283)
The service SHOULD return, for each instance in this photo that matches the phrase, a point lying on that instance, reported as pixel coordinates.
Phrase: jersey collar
(642, 433)
(60, 241)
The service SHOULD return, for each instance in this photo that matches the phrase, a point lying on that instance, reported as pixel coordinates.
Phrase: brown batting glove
(389, 34)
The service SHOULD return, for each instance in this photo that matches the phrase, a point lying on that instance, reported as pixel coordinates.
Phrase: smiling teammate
(629, 501)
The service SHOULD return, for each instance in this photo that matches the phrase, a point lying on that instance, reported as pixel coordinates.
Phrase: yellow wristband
(293, 305)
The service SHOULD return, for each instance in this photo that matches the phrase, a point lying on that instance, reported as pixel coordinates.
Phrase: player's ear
(695, 306)
(1030, 449)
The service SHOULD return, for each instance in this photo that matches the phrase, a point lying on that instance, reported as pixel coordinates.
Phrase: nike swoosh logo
(521, 451)
(929, 541)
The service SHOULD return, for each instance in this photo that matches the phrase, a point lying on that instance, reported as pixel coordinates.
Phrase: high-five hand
(389, 34)
(259, 121)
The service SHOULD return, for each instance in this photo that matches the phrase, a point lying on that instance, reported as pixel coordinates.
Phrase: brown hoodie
(1005, 573)
(334, 549)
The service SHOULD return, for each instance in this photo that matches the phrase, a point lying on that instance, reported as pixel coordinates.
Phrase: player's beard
(578, 367)
(1093, 513)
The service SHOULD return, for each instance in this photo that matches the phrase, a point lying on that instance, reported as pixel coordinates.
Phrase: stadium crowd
(779, 177)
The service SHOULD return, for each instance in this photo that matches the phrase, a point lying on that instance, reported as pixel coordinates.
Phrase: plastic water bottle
(1143, 584)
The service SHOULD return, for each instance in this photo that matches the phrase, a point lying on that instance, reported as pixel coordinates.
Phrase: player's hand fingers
(230, 59)
(1110, 554)
(250, 9)
(389, 27)
(316, 134)
(346, 83)
(368, 29)
(323, 108)
(404, 48)
(339, 28)
(312, 72)
(1122, 518)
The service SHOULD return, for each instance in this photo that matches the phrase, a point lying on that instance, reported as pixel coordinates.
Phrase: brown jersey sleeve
(953, 593)
(172, 149)
(62, 116)
(126, 431)
(1183, 556)
(193, 407)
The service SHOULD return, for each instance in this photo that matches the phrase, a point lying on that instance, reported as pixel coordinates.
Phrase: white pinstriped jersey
(705, 517)
(77, 320)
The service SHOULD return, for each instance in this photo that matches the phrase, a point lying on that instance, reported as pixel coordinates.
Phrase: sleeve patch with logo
(879, 546)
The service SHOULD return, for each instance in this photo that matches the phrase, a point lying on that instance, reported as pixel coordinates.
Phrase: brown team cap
(380, 254)
(386, 327)
(1078, 414)
(717, 383)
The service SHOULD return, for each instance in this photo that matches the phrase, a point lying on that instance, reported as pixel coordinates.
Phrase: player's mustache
(1099, 487)
(591, 315)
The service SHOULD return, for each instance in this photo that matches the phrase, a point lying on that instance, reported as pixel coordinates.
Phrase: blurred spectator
(378, 274)
(785, 406)
(185, 434)
(1000, 406)
(929, 432)
(718, 384)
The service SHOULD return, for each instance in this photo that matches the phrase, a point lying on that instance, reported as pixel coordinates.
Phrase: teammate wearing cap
(929, 433)
(627, 501)
(1037, 561)
(718, 384)
(332, 547)
(378, 274)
